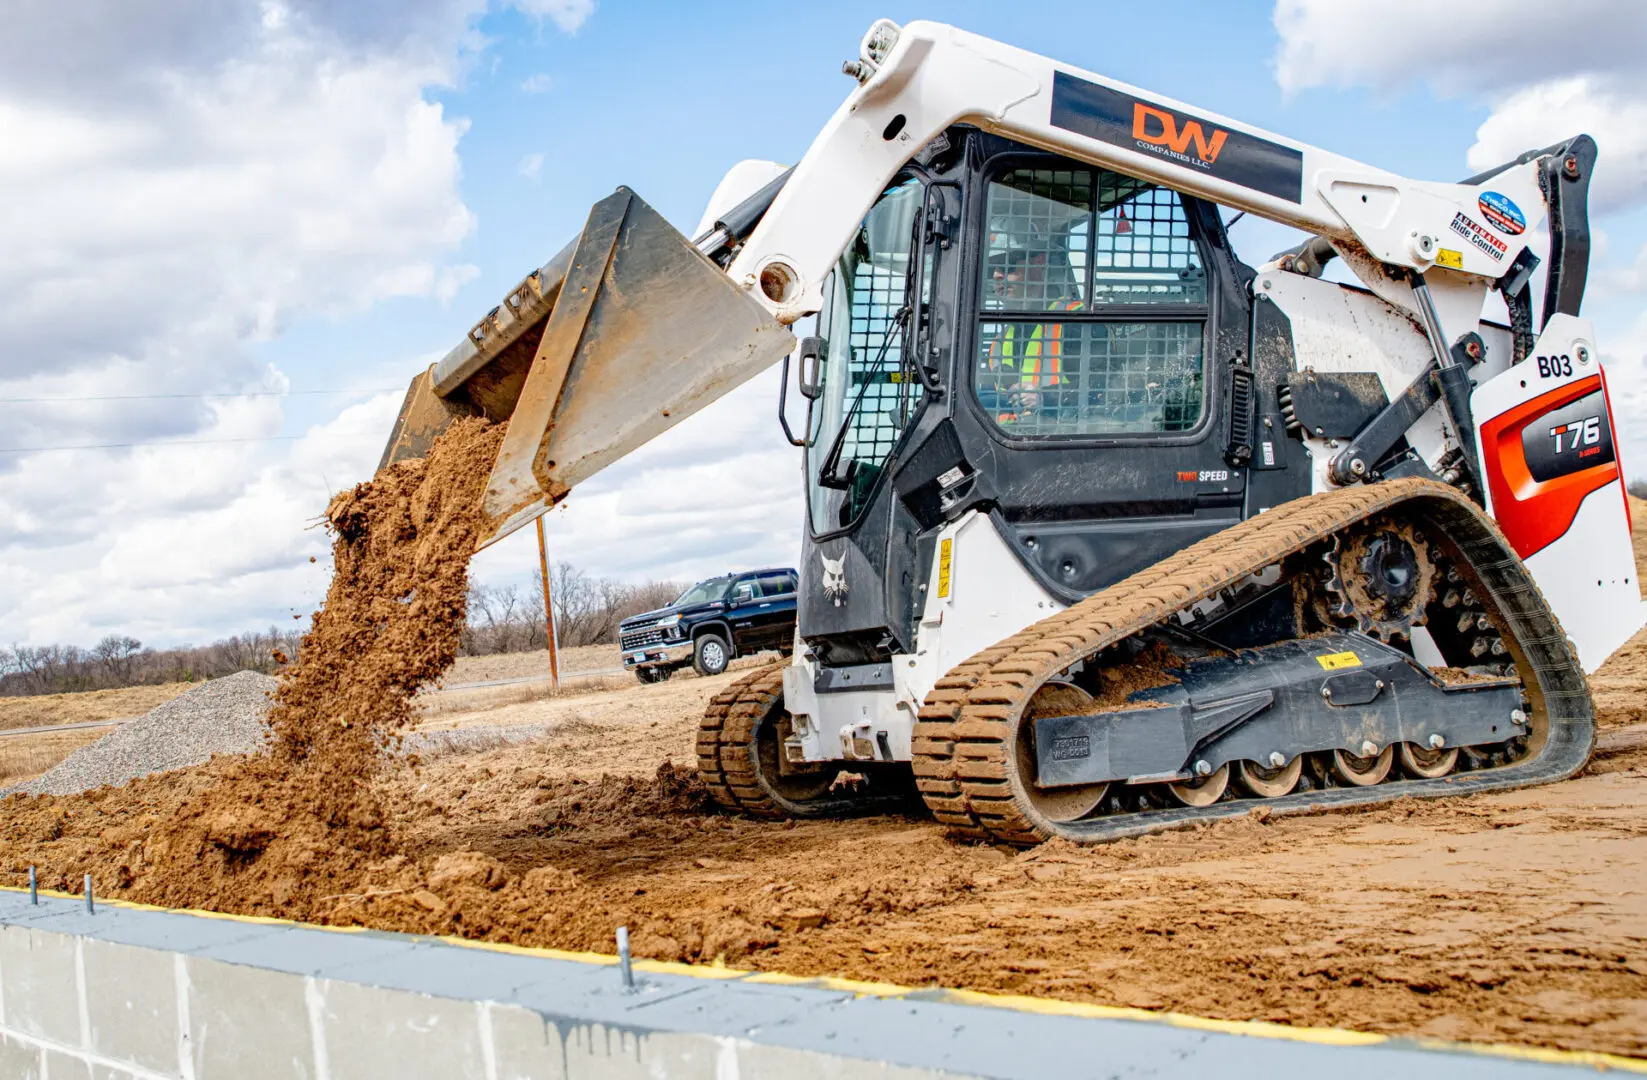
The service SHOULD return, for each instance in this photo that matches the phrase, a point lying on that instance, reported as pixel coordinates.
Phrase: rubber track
(965, 737)
(725, 737)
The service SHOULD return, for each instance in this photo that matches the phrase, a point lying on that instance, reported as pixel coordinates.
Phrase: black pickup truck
(712, 622)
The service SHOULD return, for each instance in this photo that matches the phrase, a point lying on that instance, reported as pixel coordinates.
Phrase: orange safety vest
(1044, 346)
(1040, 359)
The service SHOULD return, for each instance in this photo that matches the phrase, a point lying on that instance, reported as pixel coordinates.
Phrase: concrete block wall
(139, 994)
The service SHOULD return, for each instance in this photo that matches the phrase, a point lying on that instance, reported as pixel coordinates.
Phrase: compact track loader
(1106, 531)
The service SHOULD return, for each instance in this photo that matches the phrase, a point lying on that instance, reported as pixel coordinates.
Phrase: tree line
(121, 660)
(500, 619)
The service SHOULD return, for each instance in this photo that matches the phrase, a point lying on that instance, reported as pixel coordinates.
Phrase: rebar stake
(90, 910)
(624, 968)
(34, 888)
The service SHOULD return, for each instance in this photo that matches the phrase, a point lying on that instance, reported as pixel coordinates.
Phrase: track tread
(962, 750)
(724, 737)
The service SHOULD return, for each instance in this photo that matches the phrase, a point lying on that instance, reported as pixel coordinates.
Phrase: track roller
(1269, 781)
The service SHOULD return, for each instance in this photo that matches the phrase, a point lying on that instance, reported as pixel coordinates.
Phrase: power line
(178, 397)
(172, 442)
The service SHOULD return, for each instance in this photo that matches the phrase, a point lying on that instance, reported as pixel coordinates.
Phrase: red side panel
(1544, 456)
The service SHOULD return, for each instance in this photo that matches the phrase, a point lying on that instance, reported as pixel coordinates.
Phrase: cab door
(1107, 314)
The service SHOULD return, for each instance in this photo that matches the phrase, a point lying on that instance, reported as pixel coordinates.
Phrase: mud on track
(1516, 917)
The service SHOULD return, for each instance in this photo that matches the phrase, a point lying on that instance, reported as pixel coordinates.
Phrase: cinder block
(599, 1052)
(131, 997)
(38, 980)
(248, 1024)
(374, 1032)
(754, 1059)
(527, 1046)
(61, 1066)
(18, 1060)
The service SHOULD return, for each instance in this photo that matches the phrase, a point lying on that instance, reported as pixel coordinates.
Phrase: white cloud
(540, 83)
(1614, 112)
(181, 181)
(566, 14)
(1546, 71)
(531, 167)
(720, 491)
(1456, 46)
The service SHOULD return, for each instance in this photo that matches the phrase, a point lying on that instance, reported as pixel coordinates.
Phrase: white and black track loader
(1106, 531)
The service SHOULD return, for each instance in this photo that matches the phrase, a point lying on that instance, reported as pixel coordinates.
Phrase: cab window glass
(1039, 225)
(1065, 347)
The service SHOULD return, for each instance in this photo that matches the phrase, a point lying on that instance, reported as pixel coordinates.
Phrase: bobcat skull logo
(834, 578)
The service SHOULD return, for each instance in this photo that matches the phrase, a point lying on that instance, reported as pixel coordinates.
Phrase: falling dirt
(290, 826)
(1511, 917)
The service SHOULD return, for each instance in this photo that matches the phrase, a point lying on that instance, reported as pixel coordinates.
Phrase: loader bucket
(624, 333)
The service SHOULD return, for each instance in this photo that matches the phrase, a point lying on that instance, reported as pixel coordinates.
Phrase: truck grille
(635, 639)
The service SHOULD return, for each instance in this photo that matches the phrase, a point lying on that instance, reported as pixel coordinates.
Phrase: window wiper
(827, 474)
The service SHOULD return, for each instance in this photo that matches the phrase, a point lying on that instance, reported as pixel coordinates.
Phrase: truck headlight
(667, 621)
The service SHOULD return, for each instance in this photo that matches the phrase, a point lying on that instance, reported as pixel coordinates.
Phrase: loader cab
(1034, 339)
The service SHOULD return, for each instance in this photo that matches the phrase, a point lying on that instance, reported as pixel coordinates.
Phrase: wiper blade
(827, 476)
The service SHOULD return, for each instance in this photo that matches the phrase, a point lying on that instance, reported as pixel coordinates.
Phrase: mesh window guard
(1091, 378)
(1063, 246)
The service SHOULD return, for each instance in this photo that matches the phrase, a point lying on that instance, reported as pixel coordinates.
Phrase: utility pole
(548, 608)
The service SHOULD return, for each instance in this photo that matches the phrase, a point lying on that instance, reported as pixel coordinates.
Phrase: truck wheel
(711, 655)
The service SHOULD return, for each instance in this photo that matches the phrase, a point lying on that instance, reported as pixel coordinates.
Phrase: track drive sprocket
(1382, 577)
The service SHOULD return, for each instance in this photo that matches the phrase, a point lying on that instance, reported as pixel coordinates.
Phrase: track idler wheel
(740, 758)
(1061, 804)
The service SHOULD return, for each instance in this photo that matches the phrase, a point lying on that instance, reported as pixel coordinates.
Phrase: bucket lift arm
(632, 327)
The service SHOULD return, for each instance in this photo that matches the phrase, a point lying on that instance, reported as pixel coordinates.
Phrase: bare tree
(117, 653)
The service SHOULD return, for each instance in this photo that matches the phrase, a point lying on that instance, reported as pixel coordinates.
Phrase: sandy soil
(1514, 917)
(22, 712)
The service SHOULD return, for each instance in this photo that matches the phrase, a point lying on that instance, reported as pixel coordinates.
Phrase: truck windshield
(868, 393)
(704, 592)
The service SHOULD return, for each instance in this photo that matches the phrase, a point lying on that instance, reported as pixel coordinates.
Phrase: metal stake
(624, 968)
(548, 610)
(34, 887)
(89, 909)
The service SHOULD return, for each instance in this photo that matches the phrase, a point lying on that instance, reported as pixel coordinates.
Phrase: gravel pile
(224, 716)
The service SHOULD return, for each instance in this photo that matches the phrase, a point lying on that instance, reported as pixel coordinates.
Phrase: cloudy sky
(231, 230)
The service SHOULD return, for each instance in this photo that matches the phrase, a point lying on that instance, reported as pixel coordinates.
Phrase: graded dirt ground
(1514, 917)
